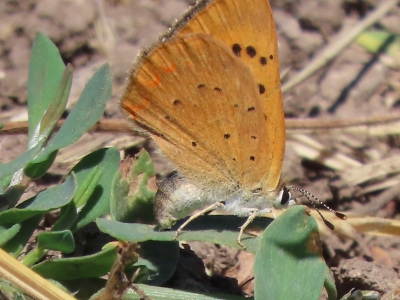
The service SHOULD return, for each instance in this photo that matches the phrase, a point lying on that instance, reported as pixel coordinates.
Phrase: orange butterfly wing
(210, 96)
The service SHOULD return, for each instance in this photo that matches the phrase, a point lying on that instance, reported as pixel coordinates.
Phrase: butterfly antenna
(312, 200)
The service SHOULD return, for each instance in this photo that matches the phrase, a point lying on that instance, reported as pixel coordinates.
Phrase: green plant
(376, 41)
(84, 194)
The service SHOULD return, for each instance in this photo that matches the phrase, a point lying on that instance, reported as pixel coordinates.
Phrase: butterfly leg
(202, 212)
(243, 227)
(273, 213)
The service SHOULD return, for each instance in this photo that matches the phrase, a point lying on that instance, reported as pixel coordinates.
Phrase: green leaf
(48, 123)
(95, 265)
(4, 182)
(376, 41)
(83, 288)
(86, 189)
(134, 190)
(84, 115)
(58, 104)
(46, 70)
(329, 285)
(19, 163)
(98, 204)
(7, 234)
(11, 196)
(35, 171)
(373, 40)
(93, 186)
(289, 263)
(162, 293)
(68, 216)
(90, 188)
(8, 291)
(59, 241)
(162, 260)
(47, 200)
(212, 229)
(18, 242)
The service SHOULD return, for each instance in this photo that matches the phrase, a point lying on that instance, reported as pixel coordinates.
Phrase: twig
(105, 125)
(324, 124)
(124, 126)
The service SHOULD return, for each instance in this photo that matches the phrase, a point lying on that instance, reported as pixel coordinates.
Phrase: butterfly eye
(285, 196)
(283, 199)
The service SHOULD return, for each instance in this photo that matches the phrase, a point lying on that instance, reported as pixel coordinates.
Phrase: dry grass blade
(69, 156)
(372, 126)
(355, 224)
(389, 183)
(382, 167)
(308, 148)
(27, 280)
(384, 198)
(105, 31)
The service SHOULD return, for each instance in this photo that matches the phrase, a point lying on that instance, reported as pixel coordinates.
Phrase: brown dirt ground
(355, 84)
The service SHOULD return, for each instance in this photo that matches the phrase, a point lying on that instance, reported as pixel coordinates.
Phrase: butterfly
(209, 94)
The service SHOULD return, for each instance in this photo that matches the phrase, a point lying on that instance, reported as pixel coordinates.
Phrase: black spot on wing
(263, 60)
(177, 102)
(261, 88)
(237, 49)
(251, 51)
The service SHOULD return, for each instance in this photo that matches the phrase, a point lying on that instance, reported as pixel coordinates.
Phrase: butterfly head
(284, 199)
